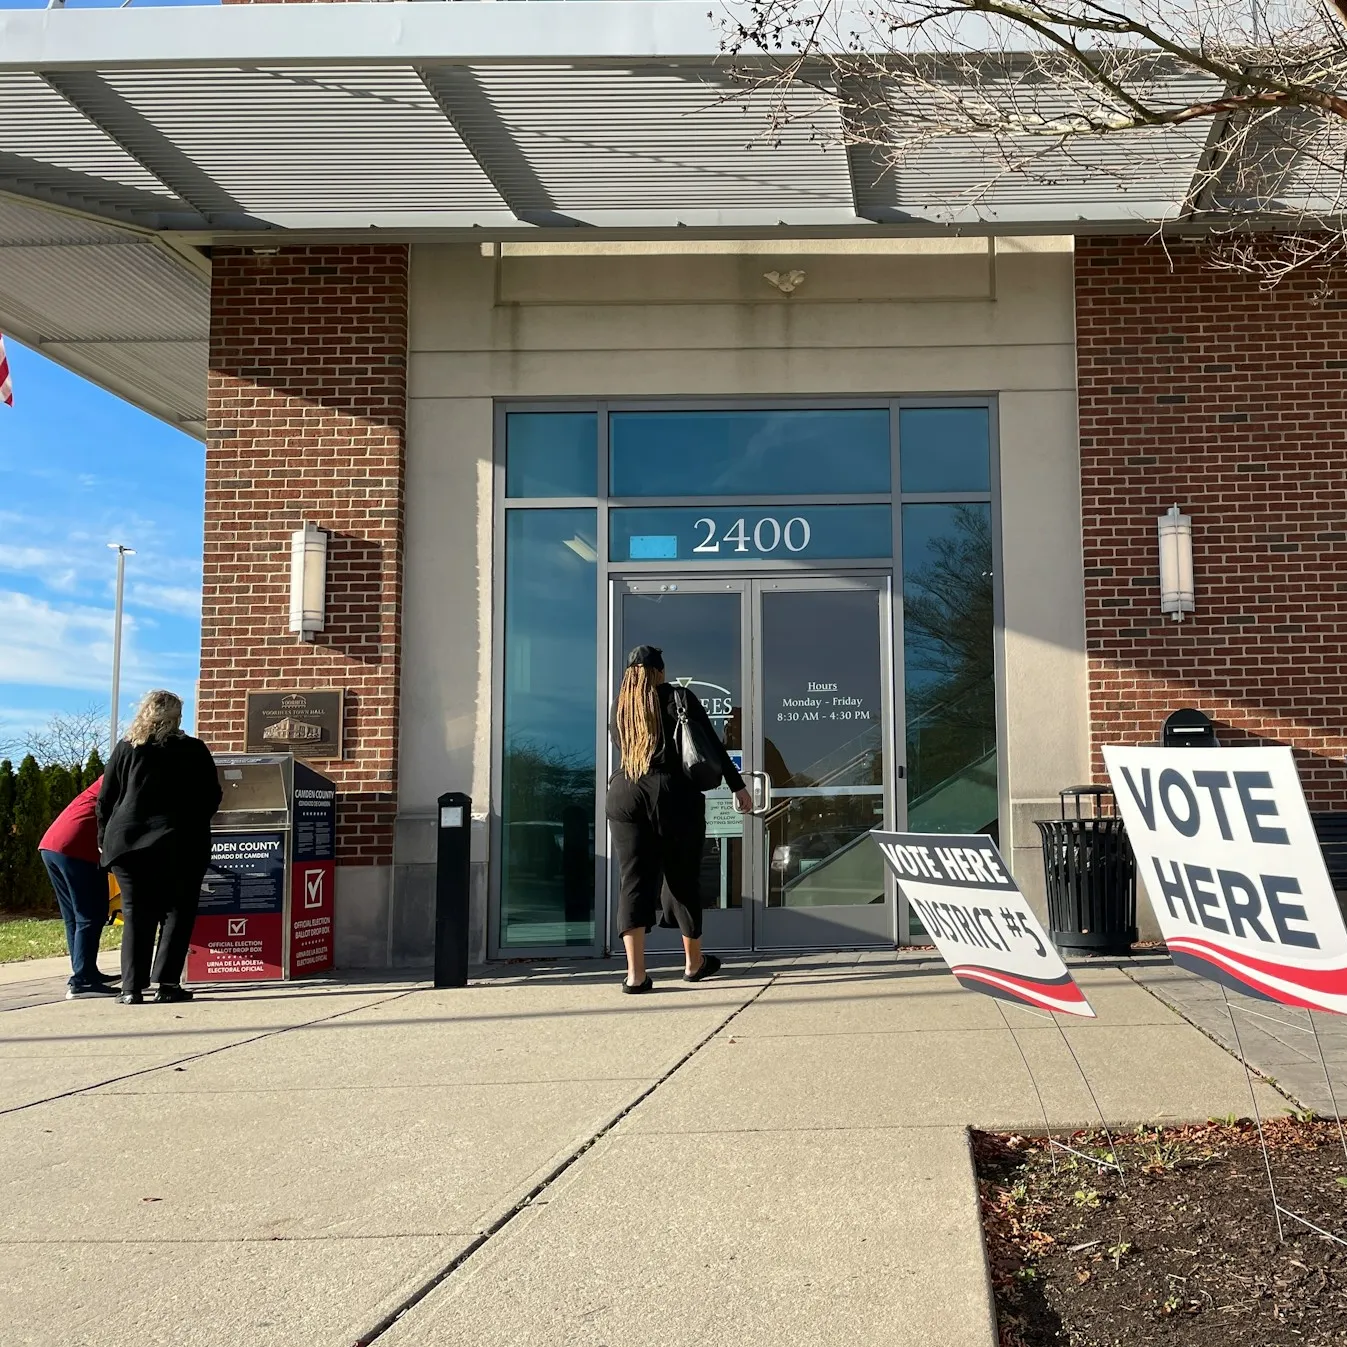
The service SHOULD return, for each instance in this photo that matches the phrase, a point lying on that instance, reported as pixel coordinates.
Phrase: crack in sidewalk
(439, 1278)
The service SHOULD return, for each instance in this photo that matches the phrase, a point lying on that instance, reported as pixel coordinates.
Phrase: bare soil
(1182, 1250)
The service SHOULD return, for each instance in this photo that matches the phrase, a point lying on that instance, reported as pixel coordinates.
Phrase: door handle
(760, 787)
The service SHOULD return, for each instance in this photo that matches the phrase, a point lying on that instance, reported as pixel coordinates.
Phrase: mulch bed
(1185, 1252)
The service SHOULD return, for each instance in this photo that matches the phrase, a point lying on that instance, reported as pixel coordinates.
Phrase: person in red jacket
(69, 850)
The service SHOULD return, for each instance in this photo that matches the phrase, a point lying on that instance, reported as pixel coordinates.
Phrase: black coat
(157, 792)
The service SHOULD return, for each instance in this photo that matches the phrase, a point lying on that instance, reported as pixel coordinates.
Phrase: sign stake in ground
(1231, 864)
(960, 888)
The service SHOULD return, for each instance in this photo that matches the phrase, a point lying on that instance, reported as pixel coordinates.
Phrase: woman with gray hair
(159, 792)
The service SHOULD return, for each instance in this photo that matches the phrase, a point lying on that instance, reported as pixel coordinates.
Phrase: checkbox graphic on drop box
(313, 888)
(238, 925)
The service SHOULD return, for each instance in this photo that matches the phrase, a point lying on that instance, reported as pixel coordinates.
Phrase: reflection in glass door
(821, 667)
(794, 674)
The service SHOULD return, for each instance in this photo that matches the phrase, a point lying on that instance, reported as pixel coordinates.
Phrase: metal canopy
(120, 307)
(131, 138)
(492, 119)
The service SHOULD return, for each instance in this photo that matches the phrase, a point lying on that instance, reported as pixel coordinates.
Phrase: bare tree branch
(69, 737)
(1228, 115)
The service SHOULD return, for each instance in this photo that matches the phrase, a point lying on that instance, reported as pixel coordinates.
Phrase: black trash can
(1090, 874)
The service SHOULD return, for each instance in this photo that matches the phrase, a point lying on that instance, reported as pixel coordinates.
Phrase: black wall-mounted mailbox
(1188, 728)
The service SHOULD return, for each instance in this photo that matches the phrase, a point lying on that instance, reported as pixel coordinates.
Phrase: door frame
(795, 932)
(750, 587)
(659, 940)
(607, 571)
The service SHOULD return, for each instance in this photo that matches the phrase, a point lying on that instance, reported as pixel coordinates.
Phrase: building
(563, 361)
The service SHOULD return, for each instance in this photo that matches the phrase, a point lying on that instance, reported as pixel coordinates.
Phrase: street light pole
(122, 553)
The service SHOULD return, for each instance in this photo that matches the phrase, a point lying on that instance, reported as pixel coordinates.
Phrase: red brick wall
(306, 420)
(1199, 389)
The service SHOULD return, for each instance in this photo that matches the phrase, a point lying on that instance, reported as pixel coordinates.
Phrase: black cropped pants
(658, 825)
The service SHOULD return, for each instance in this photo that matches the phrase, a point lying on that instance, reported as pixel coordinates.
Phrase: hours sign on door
(822, 700)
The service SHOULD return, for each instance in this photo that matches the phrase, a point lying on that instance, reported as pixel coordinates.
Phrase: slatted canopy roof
(132, 140)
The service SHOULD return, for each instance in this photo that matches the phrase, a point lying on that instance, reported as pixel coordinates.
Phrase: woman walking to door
(658, 818)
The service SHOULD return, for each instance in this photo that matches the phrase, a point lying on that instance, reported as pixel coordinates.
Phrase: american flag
(6, 387)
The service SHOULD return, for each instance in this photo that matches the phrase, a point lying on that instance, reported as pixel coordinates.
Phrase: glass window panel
(823, 735)
(949, 670)
(718, 534)
(749, 453)
(551, 705)
(552, 454)
(944, 449)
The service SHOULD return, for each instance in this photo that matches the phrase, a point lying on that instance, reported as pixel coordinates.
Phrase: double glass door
(794, 675)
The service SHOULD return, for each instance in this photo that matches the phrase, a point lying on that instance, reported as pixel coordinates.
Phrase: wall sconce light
(308, 580)
(1176, 563)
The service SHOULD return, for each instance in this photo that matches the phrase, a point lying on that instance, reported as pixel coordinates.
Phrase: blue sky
(80, 468)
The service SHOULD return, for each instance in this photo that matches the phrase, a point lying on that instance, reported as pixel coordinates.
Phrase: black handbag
(700, 753)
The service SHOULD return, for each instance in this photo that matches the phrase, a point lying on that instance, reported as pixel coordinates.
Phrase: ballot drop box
(267, 898)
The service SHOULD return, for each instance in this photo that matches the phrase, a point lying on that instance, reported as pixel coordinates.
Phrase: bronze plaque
(307, 724)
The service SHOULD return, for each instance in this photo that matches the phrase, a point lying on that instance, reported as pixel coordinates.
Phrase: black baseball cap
(646, 657)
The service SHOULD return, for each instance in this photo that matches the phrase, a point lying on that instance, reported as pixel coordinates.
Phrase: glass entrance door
(821, 743)
(795, 675)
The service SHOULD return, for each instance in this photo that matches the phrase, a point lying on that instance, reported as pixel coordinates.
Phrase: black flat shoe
(710, 966)
(172, 992)
(638, 988)
(131, 999)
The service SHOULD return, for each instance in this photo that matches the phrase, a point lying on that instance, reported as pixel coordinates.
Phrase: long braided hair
(638, 719)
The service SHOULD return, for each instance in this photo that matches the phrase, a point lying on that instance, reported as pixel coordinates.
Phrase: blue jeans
(82, 893)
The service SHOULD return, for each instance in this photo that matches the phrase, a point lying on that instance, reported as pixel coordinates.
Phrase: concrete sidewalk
(1304, 1053)
(778, 1156)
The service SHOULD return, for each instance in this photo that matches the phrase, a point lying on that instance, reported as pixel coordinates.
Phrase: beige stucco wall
(644, 320)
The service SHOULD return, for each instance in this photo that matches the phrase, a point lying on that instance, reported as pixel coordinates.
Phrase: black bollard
(453, 879)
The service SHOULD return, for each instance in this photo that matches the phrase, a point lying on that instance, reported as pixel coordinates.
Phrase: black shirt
(153, 792)
(663, 759)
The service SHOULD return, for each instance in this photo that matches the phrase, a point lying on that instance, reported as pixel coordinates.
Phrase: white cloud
(55, 568)
(54, 647)
(25, 558)
(77, 560)
(176, 599)
(42, 645)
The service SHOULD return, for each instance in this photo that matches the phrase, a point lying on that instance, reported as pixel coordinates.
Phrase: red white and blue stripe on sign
(1287, 984)
(1055, 994)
